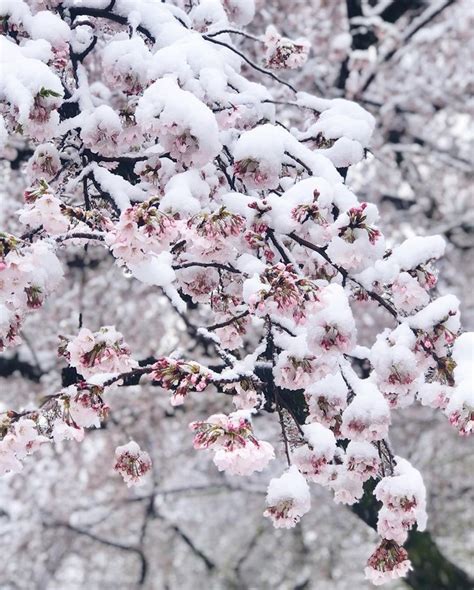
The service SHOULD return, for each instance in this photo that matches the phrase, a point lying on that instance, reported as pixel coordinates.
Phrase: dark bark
(11, 365)
(431, 569)
(396, 9)
(362, 37)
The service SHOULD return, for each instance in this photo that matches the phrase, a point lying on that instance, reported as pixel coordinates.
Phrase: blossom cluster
(103, 351)
(28, 274)
(63, 416)
(236, 450)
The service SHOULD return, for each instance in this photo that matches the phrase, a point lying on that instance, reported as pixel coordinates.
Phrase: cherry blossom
(132, 463)
(288, 499)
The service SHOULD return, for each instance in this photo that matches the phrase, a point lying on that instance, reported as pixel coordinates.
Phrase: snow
(250, 265)
(185, 193)
(339, 118)
(418, 250)
(22, 78)
(48, 26)
(290, 485)
(331, 387)
(463, 354)
(119, 189)
(345, 152)
(442, 310)
(156, 270)
(320, 438)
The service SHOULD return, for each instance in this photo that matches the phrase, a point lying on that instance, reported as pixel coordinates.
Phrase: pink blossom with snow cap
(103, 351)
(288, 499)
(388, 562)
(367, 417)
(237, 450)
(132, 463)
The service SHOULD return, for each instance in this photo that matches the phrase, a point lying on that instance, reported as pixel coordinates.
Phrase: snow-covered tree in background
(146, 139)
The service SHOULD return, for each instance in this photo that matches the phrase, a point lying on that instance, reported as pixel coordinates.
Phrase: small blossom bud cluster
(180, 377)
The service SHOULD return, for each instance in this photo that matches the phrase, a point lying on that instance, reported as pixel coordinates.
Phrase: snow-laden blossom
(347, 489)
(388, 562)
(44, 163)
(331, 330)
(84, 405)
(357, 243)
(435, 395)
(362, 460)
(326, 400)
(236, 449)
(460, 408)
(288, 499)
(403, 496)
(132, 463)
(103, 351)
(281, 291)
(187, 128)
(46, 212)
(28, 274)
(125, 63)
(312, 457)
(214, 236)
(142, 230)
(436, 325)
(21, 439)
(396, 366)
(408, 295)
(101, 130)
(240, 12)
(296, 367)
(367, 417)
(282, 53)
(198, 283)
